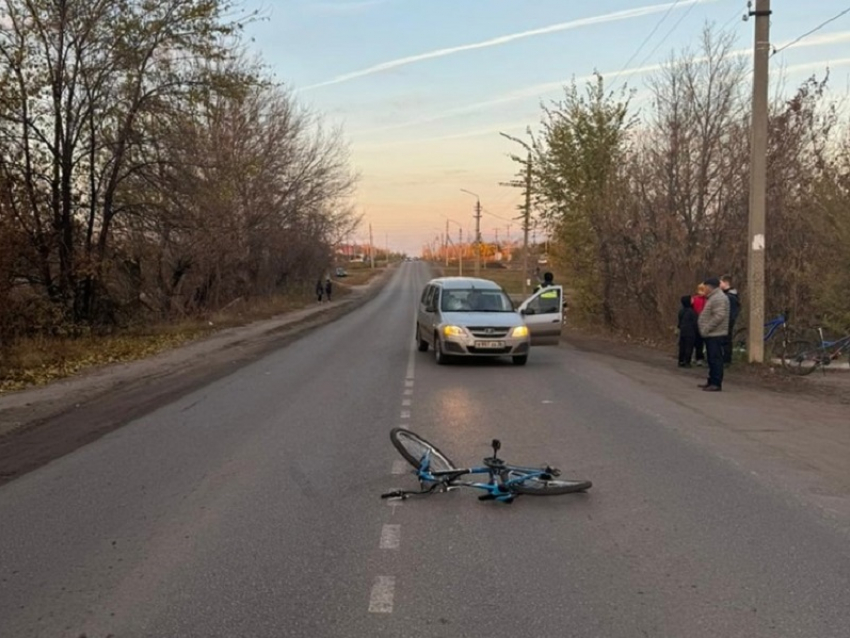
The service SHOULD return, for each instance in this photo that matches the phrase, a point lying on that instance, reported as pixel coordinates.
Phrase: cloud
(538, 90)
(345, 8)
(505, 39)
(820, 65)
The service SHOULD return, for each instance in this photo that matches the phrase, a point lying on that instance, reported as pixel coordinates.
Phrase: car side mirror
(527, 311)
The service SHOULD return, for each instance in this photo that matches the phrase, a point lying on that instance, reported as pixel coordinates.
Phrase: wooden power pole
(526, 223)
(758, 180)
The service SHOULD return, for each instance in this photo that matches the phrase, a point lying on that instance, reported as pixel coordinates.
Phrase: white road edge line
(383, 591)
(390, 536)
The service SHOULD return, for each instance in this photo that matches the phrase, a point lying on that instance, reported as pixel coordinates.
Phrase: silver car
(468, 316)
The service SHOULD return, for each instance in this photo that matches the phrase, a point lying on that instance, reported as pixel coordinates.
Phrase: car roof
(465, 282)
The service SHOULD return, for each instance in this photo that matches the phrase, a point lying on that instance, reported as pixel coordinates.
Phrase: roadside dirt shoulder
(832, 387)
(40, 424)
(790, 431)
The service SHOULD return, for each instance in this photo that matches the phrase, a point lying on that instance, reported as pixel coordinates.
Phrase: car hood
(490, 319)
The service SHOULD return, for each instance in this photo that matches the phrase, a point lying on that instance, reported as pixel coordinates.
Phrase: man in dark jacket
(688, 332)
(734, 311)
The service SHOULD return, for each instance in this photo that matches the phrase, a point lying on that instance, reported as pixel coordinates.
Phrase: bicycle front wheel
(538, 486)
(801, 357)
(413, 447)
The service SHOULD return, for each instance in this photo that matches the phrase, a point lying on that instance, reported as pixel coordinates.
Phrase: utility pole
(477, 237)
(526, 222)
(477, 231)
(387, 246)
(446, 246)
(758, 179)
(460, 252)
(371, 248)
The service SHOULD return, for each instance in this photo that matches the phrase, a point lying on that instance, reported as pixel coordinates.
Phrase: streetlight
(477, 231)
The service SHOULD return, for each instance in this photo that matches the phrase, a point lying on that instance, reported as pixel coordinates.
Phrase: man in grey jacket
(714, 326)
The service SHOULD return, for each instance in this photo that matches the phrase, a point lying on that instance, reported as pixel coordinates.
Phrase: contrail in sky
(505, 39)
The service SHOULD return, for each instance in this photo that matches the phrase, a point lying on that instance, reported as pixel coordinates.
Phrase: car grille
(474, 350)
(486, 332)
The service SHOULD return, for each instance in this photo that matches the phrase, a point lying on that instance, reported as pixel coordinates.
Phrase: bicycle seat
(493, 462)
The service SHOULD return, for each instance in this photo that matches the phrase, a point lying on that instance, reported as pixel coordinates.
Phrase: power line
(667, 35)
(672, 29)
(652, 33)
(504, 219)
(808, 33)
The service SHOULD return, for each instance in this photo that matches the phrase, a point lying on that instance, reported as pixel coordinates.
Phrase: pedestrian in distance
(320, 290)
(734, 311)
(698, 303)
(713, 326)
(328, 288)
(548, 280)
(688, 331)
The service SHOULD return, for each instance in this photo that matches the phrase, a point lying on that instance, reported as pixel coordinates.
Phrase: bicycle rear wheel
(538, 486)
(413, 447)
(801, 357)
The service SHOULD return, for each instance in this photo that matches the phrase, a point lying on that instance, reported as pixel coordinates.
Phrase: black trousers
(686, 349)
(714, 355)
(727, 344)
(699, 347)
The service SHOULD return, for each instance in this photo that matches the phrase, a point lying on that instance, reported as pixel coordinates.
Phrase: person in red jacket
(698, 303)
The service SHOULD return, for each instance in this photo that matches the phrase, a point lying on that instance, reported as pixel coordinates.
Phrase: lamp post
(477, 231)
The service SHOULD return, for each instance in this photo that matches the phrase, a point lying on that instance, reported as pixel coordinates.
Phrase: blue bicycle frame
(498, 490)
(773, 325)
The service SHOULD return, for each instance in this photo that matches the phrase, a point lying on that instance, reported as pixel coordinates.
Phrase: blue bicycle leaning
(437, 473)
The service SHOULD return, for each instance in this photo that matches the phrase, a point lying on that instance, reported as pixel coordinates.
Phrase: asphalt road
(251, 508)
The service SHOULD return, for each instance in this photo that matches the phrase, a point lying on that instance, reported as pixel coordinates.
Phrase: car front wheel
(520, 359)
(439, 356)
(421, 344)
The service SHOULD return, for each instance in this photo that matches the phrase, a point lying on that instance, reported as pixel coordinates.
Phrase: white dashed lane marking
(406, 403)
(383, 591)
(390, 537)
(405, 414)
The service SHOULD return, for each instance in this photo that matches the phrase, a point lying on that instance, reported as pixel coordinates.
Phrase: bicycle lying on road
(802, 357)
(437, 473)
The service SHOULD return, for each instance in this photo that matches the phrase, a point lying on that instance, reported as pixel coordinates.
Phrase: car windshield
(474, 300)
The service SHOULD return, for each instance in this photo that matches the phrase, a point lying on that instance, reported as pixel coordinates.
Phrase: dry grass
(359, 274)
(39, 361)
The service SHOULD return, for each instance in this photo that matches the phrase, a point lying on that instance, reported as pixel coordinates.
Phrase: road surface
(251, 508)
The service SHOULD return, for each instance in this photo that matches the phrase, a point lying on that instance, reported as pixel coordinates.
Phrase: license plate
(489, 344)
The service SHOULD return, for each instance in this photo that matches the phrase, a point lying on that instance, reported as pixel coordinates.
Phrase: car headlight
(453, 331)
(520, 331)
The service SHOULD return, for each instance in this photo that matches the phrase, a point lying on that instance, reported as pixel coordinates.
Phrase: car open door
(543, 314)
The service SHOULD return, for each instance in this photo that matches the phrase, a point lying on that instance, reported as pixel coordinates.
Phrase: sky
(422, 88)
